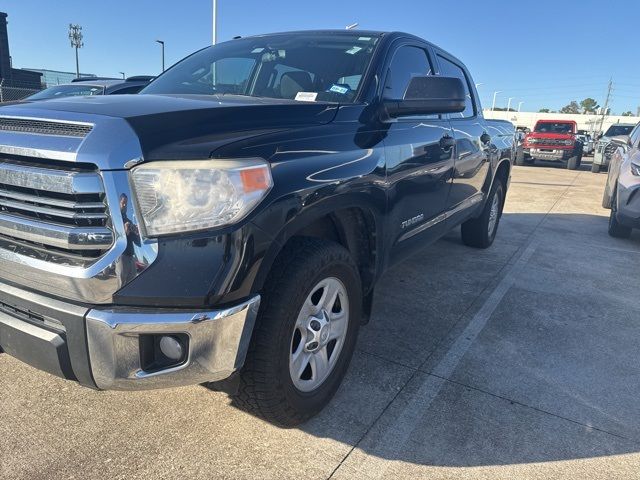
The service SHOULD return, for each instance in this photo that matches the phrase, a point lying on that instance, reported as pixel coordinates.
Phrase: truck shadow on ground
(550, 377)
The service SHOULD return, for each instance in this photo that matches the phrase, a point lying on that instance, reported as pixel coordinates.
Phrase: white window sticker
(339, 89)
(306, 96)
(257, 50)
(354, 50)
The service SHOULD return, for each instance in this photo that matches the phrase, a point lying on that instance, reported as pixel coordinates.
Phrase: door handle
(447, 142)
(485, 138)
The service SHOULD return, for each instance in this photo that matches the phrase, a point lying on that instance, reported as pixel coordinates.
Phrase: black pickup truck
(227, 225)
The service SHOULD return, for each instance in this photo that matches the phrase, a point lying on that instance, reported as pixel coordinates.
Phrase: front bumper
(549, 154)
(102, 348)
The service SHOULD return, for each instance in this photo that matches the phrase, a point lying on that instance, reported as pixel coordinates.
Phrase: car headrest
(293, 82)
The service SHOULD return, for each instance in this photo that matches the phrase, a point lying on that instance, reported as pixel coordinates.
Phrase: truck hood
(123, 128)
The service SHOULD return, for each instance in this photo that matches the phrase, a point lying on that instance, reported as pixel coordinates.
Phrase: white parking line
(393, 440)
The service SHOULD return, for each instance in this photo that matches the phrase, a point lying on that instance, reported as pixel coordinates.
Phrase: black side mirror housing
(429, 95)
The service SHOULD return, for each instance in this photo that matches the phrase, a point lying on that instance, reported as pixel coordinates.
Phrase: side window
(450, 69)
(635, 137)
(408, 62)
(128, 90)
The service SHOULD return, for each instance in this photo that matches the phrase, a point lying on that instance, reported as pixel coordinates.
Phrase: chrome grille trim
(54, 202)
(53, 212)
(57, 236)
(49, 180)
(44, 127)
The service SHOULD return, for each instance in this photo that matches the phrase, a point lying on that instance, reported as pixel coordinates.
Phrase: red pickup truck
(552, 140)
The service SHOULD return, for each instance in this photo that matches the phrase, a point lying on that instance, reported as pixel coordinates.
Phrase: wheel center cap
(318, 330)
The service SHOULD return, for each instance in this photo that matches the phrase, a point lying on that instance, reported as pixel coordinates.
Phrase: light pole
(75, 37)
(122, 73)
(214, 23)
(161, 42)
(495, 94)
(509, 104)
(351, 26)
(519, 105)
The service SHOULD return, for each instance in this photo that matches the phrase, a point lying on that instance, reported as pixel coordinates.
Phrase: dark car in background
(92, 86)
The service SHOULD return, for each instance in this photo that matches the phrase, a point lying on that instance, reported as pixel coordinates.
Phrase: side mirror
(429, 95)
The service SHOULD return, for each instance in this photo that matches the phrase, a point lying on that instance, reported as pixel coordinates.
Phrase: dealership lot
(518, 361)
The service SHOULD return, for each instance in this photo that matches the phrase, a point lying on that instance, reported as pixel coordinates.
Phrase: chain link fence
(13, 92)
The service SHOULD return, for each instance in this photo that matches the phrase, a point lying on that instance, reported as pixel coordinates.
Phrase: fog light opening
(171, 347)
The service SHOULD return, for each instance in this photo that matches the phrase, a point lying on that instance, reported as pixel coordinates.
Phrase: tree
(627, 114)
(589, 105)
(573, 107)
(544, 110)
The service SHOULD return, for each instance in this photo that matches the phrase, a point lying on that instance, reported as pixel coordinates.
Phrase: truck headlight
(184, 196)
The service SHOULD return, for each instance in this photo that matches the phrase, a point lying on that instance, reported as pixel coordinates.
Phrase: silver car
(622, 191)
(606, 146)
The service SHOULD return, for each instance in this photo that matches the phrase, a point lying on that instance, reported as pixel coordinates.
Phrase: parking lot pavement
(520, 361)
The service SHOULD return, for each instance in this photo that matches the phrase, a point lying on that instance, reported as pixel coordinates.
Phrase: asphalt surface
(520, 361)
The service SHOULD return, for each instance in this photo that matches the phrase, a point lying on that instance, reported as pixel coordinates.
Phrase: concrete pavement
(520, 361)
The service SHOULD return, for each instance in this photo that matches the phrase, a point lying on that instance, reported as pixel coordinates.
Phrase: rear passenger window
(450, 69)
(408, 62)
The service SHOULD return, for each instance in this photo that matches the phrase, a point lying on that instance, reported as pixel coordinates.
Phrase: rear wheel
(574, 162)
(595, 168)
(616, 229)
(520, 158)
(480, 232)
(306, 333)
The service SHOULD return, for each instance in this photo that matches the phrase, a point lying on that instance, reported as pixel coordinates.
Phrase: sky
(543, 53)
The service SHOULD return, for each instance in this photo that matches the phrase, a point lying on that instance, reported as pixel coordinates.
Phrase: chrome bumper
(218, 344)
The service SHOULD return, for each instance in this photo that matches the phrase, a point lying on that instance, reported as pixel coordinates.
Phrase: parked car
(605, 148)
(587, 143)
(622, 190)
(553, 140)
(90, 87)
(229, 223)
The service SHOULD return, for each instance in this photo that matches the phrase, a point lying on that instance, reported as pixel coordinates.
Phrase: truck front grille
(53, 214)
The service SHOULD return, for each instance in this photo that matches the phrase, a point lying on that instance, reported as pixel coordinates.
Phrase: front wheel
(305, 335)
(574, 162)
(595, 168)
(480, 232)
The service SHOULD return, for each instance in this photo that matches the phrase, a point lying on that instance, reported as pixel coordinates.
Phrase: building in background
(56, 77)
(14, 77)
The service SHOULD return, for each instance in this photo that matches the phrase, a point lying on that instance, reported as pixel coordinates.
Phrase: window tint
(127, 90)
(408, 62)
(450, 69)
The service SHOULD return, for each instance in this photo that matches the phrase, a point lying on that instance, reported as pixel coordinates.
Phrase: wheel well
(354, 229)
(502, 174)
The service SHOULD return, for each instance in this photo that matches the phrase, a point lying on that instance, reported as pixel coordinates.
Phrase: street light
(493, 106)
(351, 26)
(519, 105)
(161, 42)
(214, 23)
(75, 37)
(122, 73)
(509, 104)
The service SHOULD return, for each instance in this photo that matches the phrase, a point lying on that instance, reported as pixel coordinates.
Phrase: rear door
(419, 158)
(472, 141)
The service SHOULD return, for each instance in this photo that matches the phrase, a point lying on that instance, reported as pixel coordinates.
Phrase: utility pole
(493, 106)
(606, 104)
(214, 23)
(75, 37)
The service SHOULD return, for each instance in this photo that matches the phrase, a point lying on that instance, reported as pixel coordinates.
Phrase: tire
(267, 388)
(573, 163)
(595, 168)
(520, 158)
(616, 229)
(481, 231)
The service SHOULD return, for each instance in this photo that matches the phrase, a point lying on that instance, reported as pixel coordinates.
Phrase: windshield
(67, 91)
(307, 67)
(615, 130)
(553, 127)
